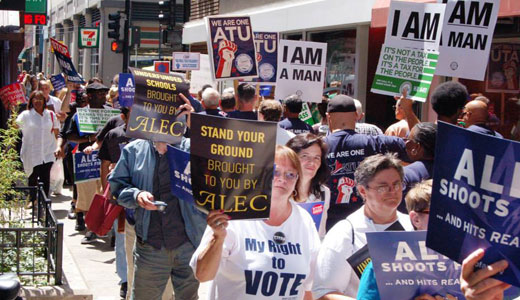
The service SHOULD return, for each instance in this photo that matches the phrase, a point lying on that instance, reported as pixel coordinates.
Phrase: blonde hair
(283, 152)
(418, 198)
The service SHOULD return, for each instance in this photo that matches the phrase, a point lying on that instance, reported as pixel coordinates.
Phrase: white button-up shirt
(38, 141)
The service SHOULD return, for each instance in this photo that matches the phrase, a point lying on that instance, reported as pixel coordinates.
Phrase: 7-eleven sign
(88, 37)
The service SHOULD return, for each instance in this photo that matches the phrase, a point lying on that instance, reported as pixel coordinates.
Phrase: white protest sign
(301, 70)
(184, 61)
(415, 25)
(90, 119)
(202, 76)
(466, 38)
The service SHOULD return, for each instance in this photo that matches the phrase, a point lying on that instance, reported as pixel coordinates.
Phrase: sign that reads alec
(86, 166)
(180, 173)
(301, 70)
(232, 165)
(88, 37)
(126, 89)
(156, 107)
(475, 198)
(409, 56)
(231, 48)
(12, 94)
(266, 44)
(185, 61)
(405, 268)
(466, 38)
(503, 72)
(61, 51)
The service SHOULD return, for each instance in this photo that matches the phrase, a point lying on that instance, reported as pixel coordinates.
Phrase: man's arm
(407, 106)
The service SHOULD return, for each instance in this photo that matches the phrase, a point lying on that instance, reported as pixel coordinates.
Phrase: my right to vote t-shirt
(255, 266)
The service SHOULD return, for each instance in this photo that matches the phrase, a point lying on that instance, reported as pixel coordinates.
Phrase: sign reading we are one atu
(88, 37)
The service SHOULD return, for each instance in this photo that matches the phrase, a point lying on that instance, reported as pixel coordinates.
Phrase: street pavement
(96, 261)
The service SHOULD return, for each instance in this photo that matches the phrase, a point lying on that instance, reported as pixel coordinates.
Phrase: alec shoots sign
(86, 166)
(126, 89)
(476, 198)
(180, 173)
(232, 164)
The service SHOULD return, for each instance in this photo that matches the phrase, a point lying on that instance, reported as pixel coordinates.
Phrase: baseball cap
(341, 103)
(96, 86)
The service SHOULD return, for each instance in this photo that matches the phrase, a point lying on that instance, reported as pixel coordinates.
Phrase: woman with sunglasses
(262, 259)
(379, 181)
(40, 129)
(312, 152)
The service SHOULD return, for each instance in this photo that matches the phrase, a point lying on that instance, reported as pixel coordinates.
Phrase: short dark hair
(448, 98)
(34, 95)
(205, 87)
(293, 103)
(425, 135)
(246, 92)
(371, 165)
(304, 141)
(271, 110)
(125, 110)
(227, 101)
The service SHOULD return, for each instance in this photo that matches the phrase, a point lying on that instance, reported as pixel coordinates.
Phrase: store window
(341, 59)
(94, 62)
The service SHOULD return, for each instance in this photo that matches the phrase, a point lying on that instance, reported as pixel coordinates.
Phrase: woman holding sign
(262, 259)
(40, 128)
(344, 254)
(312, 152)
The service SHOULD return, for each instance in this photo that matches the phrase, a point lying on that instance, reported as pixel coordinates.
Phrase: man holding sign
(167, 229)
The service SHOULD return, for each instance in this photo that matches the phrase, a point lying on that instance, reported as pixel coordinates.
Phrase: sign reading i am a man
(88, 38)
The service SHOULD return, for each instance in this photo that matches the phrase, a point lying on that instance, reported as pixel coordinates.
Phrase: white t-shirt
(283, 136)
(38, 141)
(56, 102)
(333, 272)
(323, 223)
(254, 266)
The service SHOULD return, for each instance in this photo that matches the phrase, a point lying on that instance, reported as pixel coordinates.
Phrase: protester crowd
(361, 174)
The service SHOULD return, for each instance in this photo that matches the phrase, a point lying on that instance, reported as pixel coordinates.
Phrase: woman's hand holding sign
(478, 285)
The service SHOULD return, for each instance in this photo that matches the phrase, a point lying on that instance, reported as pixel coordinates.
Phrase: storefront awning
(291, 16)
(508, 8)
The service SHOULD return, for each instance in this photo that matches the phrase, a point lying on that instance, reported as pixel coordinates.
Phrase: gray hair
(359, 106)
(374, 164)
(210, 97)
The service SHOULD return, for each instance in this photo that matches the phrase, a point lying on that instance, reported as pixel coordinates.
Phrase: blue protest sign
(266, 54)
(405, 268)
(476, 186)
(62, 54)
(86, 166)
(58, 82)
(315, 209)
(126, 89)
(180, 174)
(231, 47)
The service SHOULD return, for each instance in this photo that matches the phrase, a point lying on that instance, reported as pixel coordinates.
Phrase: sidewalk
(96, 261)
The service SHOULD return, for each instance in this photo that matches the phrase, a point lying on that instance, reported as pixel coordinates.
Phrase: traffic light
(166, 15)
(116, 46)
(113, 25)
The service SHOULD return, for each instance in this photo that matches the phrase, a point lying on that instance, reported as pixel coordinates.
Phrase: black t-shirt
(111, 148)
(414, 173)
(112, 123)
(295, 125)
(346, 151)
(244, 115)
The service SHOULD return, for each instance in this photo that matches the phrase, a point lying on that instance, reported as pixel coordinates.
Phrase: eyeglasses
(309, 158)
(398, 186)
(289, 176)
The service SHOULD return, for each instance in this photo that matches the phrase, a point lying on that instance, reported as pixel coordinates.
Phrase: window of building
(341, 59)
(94, 62)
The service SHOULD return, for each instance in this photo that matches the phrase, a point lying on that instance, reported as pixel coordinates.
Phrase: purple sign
(58, 82)
(231, 47)
(266, 55)
(180, 173)
(475, 198)
(126, 89)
